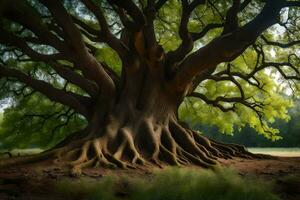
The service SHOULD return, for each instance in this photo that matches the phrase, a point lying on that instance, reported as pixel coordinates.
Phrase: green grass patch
(169, 184)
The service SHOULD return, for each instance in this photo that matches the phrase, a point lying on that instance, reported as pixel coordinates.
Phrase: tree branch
(12, 40)
(134, 12)
(255, 106)
(159, 4)
(231, 21)
(281, 45)
(226, 47)
(187, 42)
(68, 74)
(16, 10)
(205, 30)
(65, 98)
(92, 68)
(214, 103)
(104, 34)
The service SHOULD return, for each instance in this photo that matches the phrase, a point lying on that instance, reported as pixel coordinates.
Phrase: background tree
(289, 132)
(121, 69)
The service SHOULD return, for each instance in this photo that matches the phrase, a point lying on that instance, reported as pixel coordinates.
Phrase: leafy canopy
(262, 97)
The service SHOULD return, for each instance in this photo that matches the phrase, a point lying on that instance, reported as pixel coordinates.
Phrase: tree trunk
(133, 119)
(140, 127)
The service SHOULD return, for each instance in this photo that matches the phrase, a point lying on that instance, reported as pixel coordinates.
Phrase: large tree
(125, 66)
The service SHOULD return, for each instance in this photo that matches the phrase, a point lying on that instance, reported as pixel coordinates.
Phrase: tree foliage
(235, 60)
(289, 131)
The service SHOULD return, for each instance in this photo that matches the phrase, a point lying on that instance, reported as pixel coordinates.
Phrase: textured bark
(139, 128)
(132, 118)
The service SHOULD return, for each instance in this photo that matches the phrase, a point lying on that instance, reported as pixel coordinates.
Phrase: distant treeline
(290, 132)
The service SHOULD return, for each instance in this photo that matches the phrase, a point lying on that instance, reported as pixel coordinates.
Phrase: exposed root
(148, 143)
(137, 159)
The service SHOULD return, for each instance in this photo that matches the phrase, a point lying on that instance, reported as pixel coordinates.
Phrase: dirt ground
(33, 182)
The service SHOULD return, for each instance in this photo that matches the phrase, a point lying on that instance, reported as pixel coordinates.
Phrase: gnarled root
(150, 144)
(147, 143)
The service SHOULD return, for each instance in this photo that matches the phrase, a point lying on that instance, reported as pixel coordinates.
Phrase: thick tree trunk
(133, 120)
(139, 128)
(133, 137)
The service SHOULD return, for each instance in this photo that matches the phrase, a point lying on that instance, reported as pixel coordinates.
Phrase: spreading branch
(68, 74)
(81, 56)
(66, 98)
(227, 47)
(278, 44)
(186, 37)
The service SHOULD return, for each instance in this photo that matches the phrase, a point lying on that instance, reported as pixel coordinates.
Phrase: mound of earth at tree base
(37, 181)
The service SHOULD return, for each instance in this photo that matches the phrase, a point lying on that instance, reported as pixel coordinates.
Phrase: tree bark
(133, 118)
(140, 128)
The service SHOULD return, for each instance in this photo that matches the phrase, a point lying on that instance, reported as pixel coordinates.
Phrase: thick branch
(68, 74)
(65, 98)
(160, 4)
(187, 41)
(72, 34)
(231, 22)
(227, 47)
(134, 12)
(22, 13)
(11, 40)
(104, 34)
(82, 57)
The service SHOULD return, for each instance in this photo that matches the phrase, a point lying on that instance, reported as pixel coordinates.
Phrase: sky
(4, 103)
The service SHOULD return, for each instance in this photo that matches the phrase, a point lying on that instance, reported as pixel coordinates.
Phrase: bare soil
(35, 181)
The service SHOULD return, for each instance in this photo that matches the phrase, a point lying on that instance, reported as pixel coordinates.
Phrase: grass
(290, 184)
(86, 189)
(170, 184)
